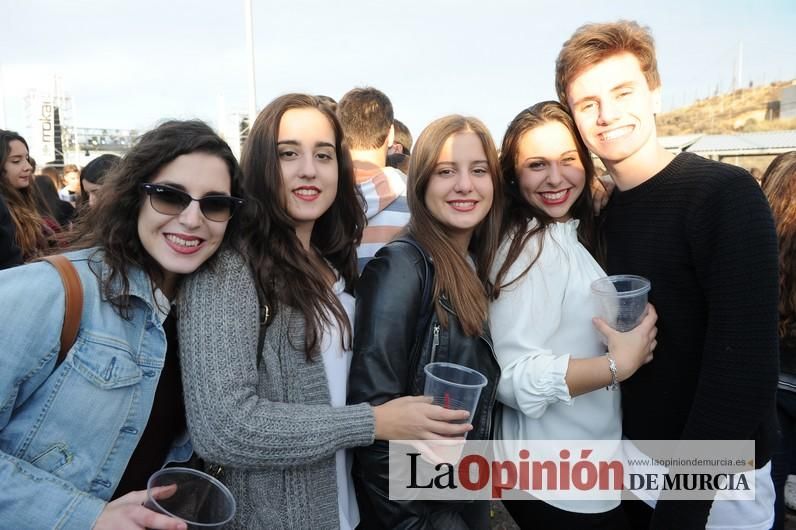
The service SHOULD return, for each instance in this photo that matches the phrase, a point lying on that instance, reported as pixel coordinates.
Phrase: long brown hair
(779, 186)
(453, 275)
(113, 224)
(518, 210)
(284, 273)
(28, 224)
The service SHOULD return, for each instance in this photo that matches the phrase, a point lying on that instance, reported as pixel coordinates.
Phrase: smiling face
(308, 160)
(181, 243)
(549, 171)
(17, 169)
(459, 192)
(614, 110)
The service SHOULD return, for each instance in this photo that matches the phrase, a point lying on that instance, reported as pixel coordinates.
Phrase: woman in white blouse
(549, 349)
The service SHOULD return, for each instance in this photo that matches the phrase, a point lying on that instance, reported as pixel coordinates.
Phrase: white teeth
(553, 196)
(462, 204)
(180, 241)
(306, 192)
(616, 133)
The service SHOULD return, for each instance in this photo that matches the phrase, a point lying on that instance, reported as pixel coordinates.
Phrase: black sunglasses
(171, 201)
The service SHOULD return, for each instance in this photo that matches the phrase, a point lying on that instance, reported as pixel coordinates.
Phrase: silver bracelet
(612, 366)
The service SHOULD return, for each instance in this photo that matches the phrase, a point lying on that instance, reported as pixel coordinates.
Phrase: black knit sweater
(702, 232)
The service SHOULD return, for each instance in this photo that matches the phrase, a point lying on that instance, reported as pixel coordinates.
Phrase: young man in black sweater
(702, 232)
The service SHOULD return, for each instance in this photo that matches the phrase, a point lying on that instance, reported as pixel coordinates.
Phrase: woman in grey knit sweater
(274, 416)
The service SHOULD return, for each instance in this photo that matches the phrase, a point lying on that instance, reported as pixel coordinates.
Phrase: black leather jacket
(396, 333)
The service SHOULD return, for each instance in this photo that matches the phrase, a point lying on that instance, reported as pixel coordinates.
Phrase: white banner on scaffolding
(41, 128)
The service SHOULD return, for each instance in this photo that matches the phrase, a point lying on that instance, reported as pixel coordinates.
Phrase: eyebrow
(296, 143)
(621, 85)
(624, 84)
(529, 158)
(454, 163)
(581, 100)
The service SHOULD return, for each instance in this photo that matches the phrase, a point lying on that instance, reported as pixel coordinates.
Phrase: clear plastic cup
(622, 300)
(199, 500)
(454, 386)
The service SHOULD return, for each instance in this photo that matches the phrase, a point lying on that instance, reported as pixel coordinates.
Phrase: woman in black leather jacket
(423, 299)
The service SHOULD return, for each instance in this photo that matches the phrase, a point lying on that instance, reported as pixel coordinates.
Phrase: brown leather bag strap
(73, 289)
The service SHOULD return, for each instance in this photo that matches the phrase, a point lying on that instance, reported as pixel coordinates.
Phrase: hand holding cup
(631, 349)
(198, 499)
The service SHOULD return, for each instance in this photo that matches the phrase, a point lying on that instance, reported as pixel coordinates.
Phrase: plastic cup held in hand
(199, 500)
(622, 300)
(454, 386)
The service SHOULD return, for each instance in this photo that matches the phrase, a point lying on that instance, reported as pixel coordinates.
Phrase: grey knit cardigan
(272, 427)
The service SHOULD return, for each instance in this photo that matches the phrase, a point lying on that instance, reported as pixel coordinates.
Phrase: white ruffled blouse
(537, 324)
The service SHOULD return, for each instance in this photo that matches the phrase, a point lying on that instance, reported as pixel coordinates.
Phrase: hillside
(743, 110)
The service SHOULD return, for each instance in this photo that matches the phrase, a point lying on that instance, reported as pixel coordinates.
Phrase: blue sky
(133, 64)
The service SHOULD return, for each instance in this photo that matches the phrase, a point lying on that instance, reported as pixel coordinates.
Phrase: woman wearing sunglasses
(273, 414)
(79, 439)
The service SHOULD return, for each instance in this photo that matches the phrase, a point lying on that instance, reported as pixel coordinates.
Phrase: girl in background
(16, 175)
(92, 176)
(779, 186)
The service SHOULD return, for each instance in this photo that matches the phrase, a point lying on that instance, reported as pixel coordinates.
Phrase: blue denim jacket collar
(140, 284)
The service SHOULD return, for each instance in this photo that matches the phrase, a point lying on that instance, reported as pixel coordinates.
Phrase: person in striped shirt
(367, 118)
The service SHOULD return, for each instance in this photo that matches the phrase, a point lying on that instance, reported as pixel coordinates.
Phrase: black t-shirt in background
(10, 253)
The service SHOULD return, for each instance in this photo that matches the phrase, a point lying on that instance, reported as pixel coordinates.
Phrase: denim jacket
(67, 435)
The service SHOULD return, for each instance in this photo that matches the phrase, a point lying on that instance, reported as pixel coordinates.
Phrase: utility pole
(2, 100)
(740, 64)
(247, 11)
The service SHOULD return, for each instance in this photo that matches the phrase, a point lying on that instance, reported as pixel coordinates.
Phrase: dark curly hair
(113, 224)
